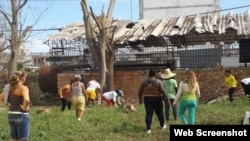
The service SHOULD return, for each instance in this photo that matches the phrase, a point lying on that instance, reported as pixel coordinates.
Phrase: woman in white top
(92, 88)
(245, 84)
(188, 94)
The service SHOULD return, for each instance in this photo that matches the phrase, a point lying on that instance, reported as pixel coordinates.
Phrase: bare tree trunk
(110, 76)
(14, 55)
(99, 47)
(17, 36)
(15, 45)
(103, 70)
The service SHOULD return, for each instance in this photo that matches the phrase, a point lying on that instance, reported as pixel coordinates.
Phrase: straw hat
(167, 74)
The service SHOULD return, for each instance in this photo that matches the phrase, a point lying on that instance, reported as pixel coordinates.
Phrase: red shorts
(109, 102)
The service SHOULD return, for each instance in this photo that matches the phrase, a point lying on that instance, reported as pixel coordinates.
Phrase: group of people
(92, 92)
(231, 83)
(155, 89)
(73, 94)
(160, 87)
(152, 92)
(15, 97)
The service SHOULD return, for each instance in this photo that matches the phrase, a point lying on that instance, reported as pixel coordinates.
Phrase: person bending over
(112, 98)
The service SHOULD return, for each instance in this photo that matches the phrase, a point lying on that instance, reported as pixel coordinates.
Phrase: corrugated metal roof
(191, 30)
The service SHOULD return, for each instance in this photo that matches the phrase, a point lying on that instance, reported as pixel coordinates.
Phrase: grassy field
(112, 124)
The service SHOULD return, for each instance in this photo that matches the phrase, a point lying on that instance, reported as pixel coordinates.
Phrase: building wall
(232, 62)
(129, 80)
(39, 58)
(32, 60)
(175, 8)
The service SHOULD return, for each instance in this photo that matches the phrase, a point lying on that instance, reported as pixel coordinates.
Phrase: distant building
(32, 60)
(29, 59)
(39, 59)
(197, 55)
(160, 9)
(25, 56)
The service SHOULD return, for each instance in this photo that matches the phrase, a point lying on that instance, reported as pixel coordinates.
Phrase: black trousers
(167, 109)
(246, 88)
(231, 93)
(65, 103)
(153, 104)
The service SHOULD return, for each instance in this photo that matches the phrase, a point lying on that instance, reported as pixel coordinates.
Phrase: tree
(99, 42)
(21, 65)
(17, 34)
(3, 41)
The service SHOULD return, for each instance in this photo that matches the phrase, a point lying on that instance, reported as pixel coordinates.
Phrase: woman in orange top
(64, 93)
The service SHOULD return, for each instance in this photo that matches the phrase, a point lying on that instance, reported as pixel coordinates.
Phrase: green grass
(111, 124)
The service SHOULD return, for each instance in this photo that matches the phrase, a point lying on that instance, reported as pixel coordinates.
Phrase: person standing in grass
(151, 92)
(170, 85)
(16, 98)
(188, 95)
(78, 96)
(64, 93)
(230, 82)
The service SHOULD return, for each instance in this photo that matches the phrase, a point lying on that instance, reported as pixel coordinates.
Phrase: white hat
(167, 74)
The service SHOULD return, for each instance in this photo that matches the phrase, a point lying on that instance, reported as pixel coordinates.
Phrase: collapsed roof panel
(187, 30)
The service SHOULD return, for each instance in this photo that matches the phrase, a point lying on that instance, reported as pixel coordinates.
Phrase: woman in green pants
(188, 94)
